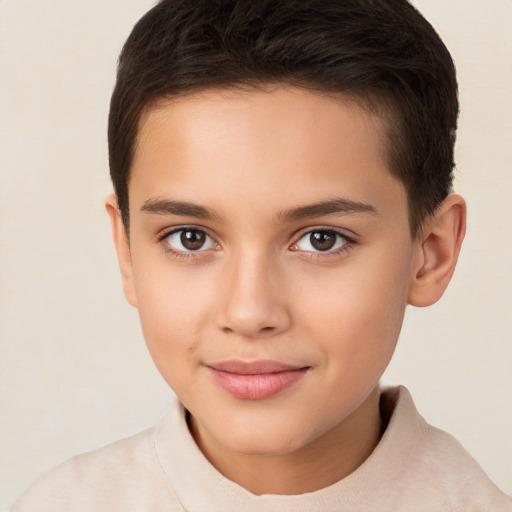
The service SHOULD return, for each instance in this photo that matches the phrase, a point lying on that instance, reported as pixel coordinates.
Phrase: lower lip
(259, 386)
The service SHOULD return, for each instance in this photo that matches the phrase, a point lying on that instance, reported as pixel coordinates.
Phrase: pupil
(323, 240)
(192, 240)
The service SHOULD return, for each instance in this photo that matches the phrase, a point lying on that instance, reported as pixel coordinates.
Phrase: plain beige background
(74, 369)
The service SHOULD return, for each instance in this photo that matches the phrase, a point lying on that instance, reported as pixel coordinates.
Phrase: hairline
(376, 104)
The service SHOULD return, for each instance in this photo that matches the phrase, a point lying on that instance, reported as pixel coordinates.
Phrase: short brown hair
(381, 51)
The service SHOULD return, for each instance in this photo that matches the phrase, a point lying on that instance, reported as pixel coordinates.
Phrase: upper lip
(253, 367)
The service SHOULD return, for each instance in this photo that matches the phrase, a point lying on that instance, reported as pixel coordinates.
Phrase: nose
(254, 301)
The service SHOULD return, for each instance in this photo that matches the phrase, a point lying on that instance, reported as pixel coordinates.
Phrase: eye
(321, 240)
(189, 240)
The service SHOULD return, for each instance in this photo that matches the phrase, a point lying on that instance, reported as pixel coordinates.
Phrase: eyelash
(349, 244)
(182, 254)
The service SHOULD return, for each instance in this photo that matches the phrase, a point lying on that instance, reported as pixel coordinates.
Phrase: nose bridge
(254, 299)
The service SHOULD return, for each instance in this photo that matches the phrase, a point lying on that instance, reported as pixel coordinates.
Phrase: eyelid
(165, 233)
(345, 233)
(350, 240)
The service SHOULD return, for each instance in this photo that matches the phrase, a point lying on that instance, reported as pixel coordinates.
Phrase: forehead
(294, 113)
(282, 146)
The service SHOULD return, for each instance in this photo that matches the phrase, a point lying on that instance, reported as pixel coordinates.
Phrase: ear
(437, 250)
(122, 247)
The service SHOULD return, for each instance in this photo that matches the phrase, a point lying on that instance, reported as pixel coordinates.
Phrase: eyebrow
(329, 207)
(183, 208)
(332, 206)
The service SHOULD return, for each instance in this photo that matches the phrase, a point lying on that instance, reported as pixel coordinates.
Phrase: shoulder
(125, 475)
(459, 475)
(436, 466)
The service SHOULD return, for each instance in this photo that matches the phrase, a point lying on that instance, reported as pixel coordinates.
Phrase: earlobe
(122, 248)
(437, 251)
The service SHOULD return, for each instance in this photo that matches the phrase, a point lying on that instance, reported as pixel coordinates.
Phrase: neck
(325, 461)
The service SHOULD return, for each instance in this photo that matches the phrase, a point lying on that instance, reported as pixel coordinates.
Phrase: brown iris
(323, 240)
(192, 240)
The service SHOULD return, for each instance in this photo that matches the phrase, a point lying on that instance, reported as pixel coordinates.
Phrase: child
(282, 174)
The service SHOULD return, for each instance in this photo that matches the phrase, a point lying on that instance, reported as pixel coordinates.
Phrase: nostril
(229, 330)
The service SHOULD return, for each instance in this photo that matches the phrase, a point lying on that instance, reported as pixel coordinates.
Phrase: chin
(260, 439)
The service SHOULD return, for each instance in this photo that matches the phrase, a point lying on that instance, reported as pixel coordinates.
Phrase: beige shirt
(415, 467)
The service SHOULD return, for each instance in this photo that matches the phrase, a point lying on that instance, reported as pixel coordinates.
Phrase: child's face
(266, 228)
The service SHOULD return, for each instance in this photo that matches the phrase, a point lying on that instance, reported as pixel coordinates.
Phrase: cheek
(356, 313)
(174, 309)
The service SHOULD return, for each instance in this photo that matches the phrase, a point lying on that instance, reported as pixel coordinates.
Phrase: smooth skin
(230, 192)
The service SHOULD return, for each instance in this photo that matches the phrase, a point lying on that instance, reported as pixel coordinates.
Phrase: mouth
(255, 380)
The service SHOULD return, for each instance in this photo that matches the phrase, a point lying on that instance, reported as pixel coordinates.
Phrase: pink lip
(255, 380)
